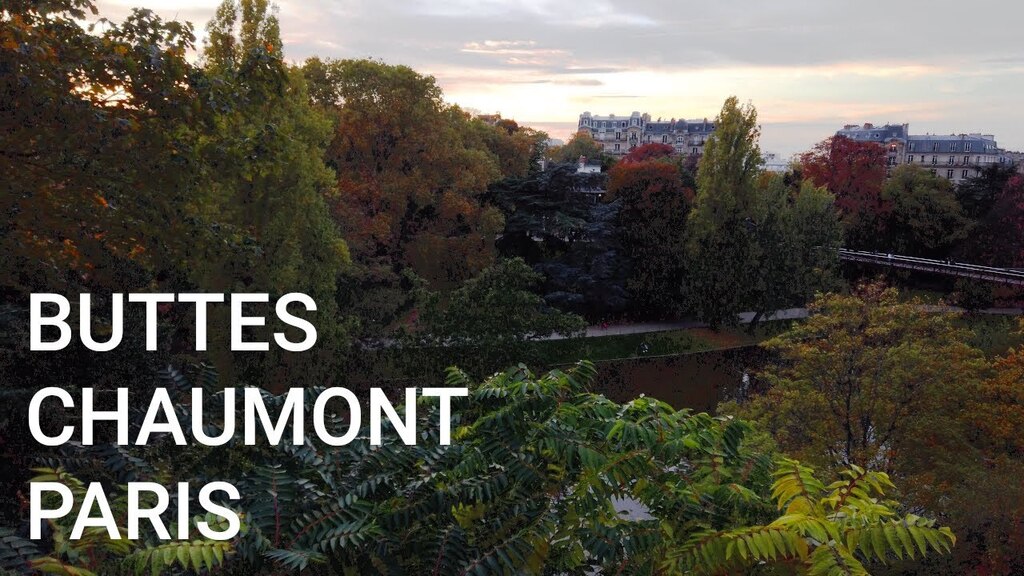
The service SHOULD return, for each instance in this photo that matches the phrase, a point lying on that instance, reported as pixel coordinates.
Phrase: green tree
(721, 244)
(264, 182)
(925, 218)
(797, 235)
(755, 242)
(490, 321)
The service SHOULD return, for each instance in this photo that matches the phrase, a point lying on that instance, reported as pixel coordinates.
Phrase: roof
(872, 133)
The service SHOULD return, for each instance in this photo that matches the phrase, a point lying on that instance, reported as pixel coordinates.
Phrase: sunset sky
(809, 66)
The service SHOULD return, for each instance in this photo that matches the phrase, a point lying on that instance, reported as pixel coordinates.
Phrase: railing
(947, 267)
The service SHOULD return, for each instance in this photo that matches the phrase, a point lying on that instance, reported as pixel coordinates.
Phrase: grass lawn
(658, 343)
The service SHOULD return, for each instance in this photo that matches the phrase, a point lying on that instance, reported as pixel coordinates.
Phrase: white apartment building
(620, 134)
(956, 157)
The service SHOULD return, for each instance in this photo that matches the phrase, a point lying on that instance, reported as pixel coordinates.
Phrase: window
(696, 150)
(952, 160)
(616, 147)
(967, 160)
(664, 139)
(967, 147)
(949, 174)
(911, 148)
(910, 159)
(964, 175)
(935, 160)
(952, 146)
(935, 146)
(618, 135)
(623, 124)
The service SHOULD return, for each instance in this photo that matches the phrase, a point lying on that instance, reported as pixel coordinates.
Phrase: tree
(756, 242)
(998, 239)
(797, 237)
(869, 380)
(854, 172)
(411, 175)
(985, 504)
(925, 218)
(978, 193)
(519, 149)
(647, 152)
(488, 322)
(720, 245)
(92, 146)
(580, 144)
(655, 200)
(264, 182)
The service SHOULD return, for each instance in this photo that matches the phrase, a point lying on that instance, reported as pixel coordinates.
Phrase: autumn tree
(655, 198)
(889, 384)
(647, 152)
(870, 380)
(580, 144)
(91, 146)
(411, 171)
(854, 172)
(985, 500)
(519, 149)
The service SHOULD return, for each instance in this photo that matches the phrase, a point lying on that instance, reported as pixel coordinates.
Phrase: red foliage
(652, 151)
(853, 171)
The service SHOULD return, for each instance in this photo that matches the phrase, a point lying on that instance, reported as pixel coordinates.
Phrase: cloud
(814, 63)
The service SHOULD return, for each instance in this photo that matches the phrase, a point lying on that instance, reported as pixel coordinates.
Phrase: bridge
(1009, 276)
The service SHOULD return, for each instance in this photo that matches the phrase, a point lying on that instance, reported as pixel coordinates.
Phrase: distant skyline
(808, 66)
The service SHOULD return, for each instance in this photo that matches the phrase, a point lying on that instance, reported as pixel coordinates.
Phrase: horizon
(809, 69)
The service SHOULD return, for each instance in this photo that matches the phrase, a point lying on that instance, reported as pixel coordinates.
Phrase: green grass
(621, 346)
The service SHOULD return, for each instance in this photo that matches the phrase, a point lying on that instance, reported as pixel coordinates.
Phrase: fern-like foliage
(96, 552)
(834, 530)
(541, 477)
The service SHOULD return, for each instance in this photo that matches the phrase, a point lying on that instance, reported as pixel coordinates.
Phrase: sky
(809, 66)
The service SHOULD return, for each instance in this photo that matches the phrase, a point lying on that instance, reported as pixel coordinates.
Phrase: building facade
(620, 134)
(956, 157)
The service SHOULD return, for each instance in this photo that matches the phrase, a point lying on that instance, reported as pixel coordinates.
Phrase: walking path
(744, 318)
